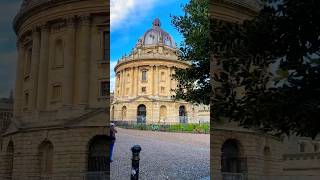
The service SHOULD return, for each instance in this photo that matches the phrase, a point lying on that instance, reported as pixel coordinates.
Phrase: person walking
(113, 132)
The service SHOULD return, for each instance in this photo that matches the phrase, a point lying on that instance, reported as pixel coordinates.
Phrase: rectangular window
(143, 89)
(105, 46)
(56, 92)
(104, 88)
(127, 91)
(162, 89)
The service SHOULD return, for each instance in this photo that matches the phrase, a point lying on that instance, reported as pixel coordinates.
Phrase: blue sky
(131, 18)
(8, 9)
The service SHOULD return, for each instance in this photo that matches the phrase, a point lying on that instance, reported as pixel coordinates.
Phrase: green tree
(266, 69)
(194, 82)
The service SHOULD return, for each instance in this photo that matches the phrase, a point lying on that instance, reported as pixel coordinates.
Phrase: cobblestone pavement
(163, 155)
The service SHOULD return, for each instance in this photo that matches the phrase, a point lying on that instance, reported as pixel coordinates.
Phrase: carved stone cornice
(70, 21)
(84, 19)
(44, 26)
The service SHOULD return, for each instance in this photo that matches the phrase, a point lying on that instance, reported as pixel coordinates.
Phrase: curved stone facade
(61, 90)
(144, 79)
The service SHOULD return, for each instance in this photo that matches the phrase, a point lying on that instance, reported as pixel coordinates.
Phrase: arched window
(231, 161)
(124, 113)
(163, 113)
(58, 53)
(141, 113)
(98, 162)
(163, 77)
(9, 160)
(46, 158)
(183, 115)
(144, 75)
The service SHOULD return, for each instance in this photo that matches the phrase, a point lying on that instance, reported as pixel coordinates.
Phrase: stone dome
(156, 36)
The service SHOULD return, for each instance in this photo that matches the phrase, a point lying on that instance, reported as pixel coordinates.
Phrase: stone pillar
(68, 69)
(43, 68)
(18, 97)
(168, 81)
(84, 58)
(152, 80)
(132, 81)
(35, 65)
(137, 81)
(157, 81)
(122, 83)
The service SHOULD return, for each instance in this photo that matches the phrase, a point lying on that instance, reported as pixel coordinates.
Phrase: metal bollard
(135, 162)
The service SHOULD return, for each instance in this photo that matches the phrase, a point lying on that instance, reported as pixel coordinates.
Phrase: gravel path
(163, 156)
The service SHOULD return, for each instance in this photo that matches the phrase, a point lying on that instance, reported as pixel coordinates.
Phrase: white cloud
(126, 12)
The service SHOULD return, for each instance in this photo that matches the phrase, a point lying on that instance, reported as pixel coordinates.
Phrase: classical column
(169, 80)
(43, 68)
(122, 83)
(84, 58)
(68, 69)
(132, 81)
(152, 80)
(18, 97)
(137, 81)
(157, 81)
(35, 64)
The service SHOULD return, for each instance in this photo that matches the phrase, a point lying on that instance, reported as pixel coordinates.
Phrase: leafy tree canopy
(266, 69)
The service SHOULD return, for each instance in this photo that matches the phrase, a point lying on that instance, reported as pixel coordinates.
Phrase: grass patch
(203, 128)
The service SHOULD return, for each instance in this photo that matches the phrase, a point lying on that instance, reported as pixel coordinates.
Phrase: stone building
(6, 113)
(239, 153)
(59, 128)
(143, 90)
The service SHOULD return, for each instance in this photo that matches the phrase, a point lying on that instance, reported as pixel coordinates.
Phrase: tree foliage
(194, 82)
(266, 69)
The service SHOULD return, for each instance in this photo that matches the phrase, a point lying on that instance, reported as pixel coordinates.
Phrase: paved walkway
(163, 156)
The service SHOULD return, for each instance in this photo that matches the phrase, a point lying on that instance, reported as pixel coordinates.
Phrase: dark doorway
(183, 115)
(141, 114)
(98, 158)
(232, 164)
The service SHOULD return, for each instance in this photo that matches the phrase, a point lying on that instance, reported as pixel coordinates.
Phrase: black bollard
(135, 162)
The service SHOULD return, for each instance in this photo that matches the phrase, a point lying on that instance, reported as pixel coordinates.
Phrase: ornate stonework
(143, 90)
(60, 110)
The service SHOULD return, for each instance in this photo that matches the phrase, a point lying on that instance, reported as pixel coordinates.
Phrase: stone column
(168, 82)
(68, 69)
(122, 83)
(137, 81)
(18, 97)
(132, 81)
(35, 65)
(43, 68)
(152, 80)
(84, 58)
(157, 81)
